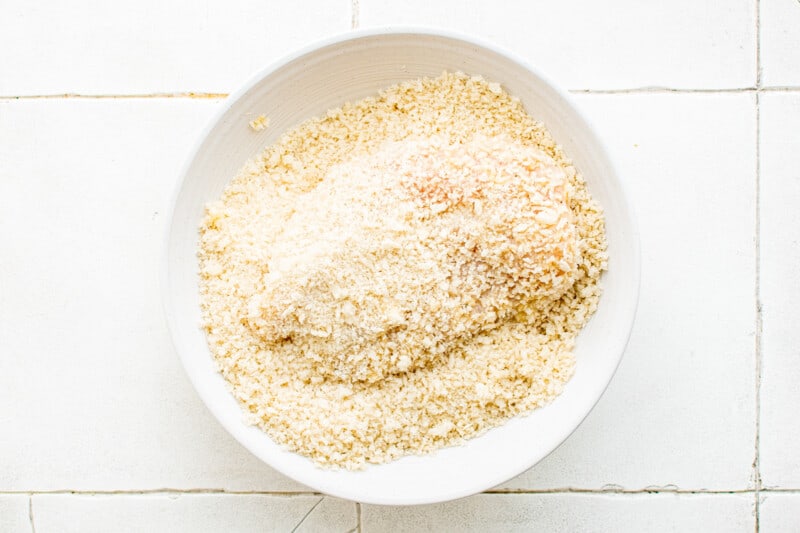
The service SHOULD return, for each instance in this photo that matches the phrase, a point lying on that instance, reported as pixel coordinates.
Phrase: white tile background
(699, 101)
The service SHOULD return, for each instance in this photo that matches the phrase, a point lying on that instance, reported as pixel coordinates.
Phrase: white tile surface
(780, 513)
(569, 512)
(780, 290)
(94, 397)
(681, 409)
(603, 45)
(148, 46)
(192, 513)
(14, 513)
(780, 42)
(91, 385)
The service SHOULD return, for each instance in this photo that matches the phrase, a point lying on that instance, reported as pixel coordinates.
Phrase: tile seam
(30, 513)
(288, 494)
(355, 13)
(757, 251)
(308, 513)
(220, 96)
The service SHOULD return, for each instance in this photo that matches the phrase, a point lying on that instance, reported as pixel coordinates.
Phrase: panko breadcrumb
(259, 123)
(401, 274)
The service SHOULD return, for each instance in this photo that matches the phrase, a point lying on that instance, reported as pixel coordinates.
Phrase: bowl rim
(255, 79)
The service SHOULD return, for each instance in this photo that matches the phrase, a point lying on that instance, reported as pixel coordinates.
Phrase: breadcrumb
(401, 274)
(259, 123)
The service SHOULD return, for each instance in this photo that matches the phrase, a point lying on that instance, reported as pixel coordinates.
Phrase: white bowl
(348, 68)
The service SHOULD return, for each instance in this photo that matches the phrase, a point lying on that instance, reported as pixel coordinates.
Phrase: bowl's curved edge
(220, 114)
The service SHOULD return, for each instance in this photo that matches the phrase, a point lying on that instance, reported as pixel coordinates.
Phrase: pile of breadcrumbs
(401, 274)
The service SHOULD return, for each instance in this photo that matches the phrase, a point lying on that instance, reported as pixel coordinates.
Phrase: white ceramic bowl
(348, 68)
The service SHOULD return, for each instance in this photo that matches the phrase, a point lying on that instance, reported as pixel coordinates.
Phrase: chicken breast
(423, 245)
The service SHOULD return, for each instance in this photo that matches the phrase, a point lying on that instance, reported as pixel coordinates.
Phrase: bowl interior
(348, 69)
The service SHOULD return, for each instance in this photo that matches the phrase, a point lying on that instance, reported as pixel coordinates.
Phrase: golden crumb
(259, 123)
(401, 274)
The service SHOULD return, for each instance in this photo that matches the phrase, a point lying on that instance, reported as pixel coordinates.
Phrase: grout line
(193, 95)
(778, 88)
(219, 96)
(758, 45)
(360, 527)
(30, 513)
(624, 492)
(668, 90)
(300, 523)
(563, 490)
(660, 90)
(355, 12)
(165, 491)
(620, 491)
(759, 316)
(559, 490)
(779, 491)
